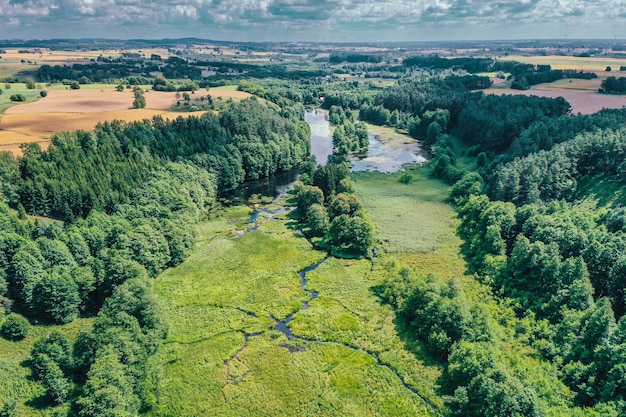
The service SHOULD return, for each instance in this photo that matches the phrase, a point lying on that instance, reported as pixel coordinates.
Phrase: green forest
(488, 281)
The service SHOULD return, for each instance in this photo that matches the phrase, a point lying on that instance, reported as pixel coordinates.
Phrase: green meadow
(409, 218)
(17, 88)
(223, 356)
(224, 88)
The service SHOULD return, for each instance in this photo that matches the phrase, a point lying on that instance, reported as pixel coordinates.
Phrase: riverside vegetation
(488, 282)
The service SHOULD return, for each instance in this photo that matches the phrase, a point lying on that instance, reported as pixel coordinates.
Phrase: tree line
(613, 85)
(563, 263)
(101, 265)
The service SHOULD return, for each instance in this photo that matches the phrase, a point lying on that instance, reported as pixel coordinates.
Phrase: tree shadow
(41, 402)
(28, 364)
(411, 343)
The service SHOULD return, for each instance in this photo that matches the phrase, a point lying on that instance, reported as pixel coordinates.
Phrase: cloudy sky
(313, 20)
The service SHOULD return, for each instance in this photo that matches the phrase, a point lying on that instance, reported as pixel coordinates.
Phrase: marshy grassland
(349, 354)
(412, 219)
(223, 356)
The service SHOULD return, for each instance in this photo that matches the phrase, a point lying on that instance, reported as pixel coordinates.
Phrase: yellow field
(573, 85)
(570, 62)
(65, 57)
(92, 101)
(66, 110)
(108, 99)
(39, 127)
(581, 94)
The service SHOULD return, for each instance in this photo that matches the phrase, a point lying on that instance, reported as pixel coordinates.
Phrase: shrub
(15, 327)
(406, 179)
(17, 97)
(43, 93)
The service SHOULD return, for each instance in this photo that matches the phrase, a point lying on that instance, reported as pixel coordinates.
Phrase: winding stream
(379, 157)
(283, 325)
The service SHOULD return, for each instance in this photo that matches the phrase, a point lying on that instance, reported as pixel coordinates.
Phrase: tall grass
(409, 218)
(223, 357)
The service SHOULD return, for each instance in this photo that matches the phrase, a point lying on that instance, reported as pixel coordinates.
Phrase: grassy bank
(17, 88)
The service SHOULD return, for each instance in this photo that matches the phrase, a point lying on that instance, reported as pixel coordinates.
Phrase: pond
(321, 138)
(383, 158)
(379, 157)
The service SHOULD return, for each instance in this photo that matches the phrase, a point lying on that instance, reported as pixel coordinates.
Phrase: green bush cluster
(15, 327)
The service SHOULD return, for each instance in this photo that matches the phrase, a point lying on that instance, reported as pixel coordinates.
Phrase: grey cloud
(364, 18)
(300, 10)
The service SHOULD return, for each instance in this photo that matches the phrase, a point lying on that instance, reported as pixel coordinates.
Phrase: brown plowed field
(582, 101)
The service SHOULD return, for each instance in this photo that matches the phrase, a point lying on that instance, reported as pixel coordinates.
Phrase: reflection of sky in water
(381, 157)
(321, 138)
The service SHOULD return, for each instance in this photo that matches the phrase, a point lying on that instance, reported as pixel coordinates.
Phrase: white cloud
(185, 11)
(361, 18)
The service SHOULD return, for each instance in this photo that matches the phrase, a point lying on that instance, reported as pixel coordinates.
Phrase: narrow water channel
(283, 325)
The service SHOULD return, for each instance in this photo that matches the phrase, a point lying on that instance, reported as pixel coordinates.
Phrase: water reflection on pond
(321, 138)
(380, 156)
(275, 185)
(272, 186)
(384, 158)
